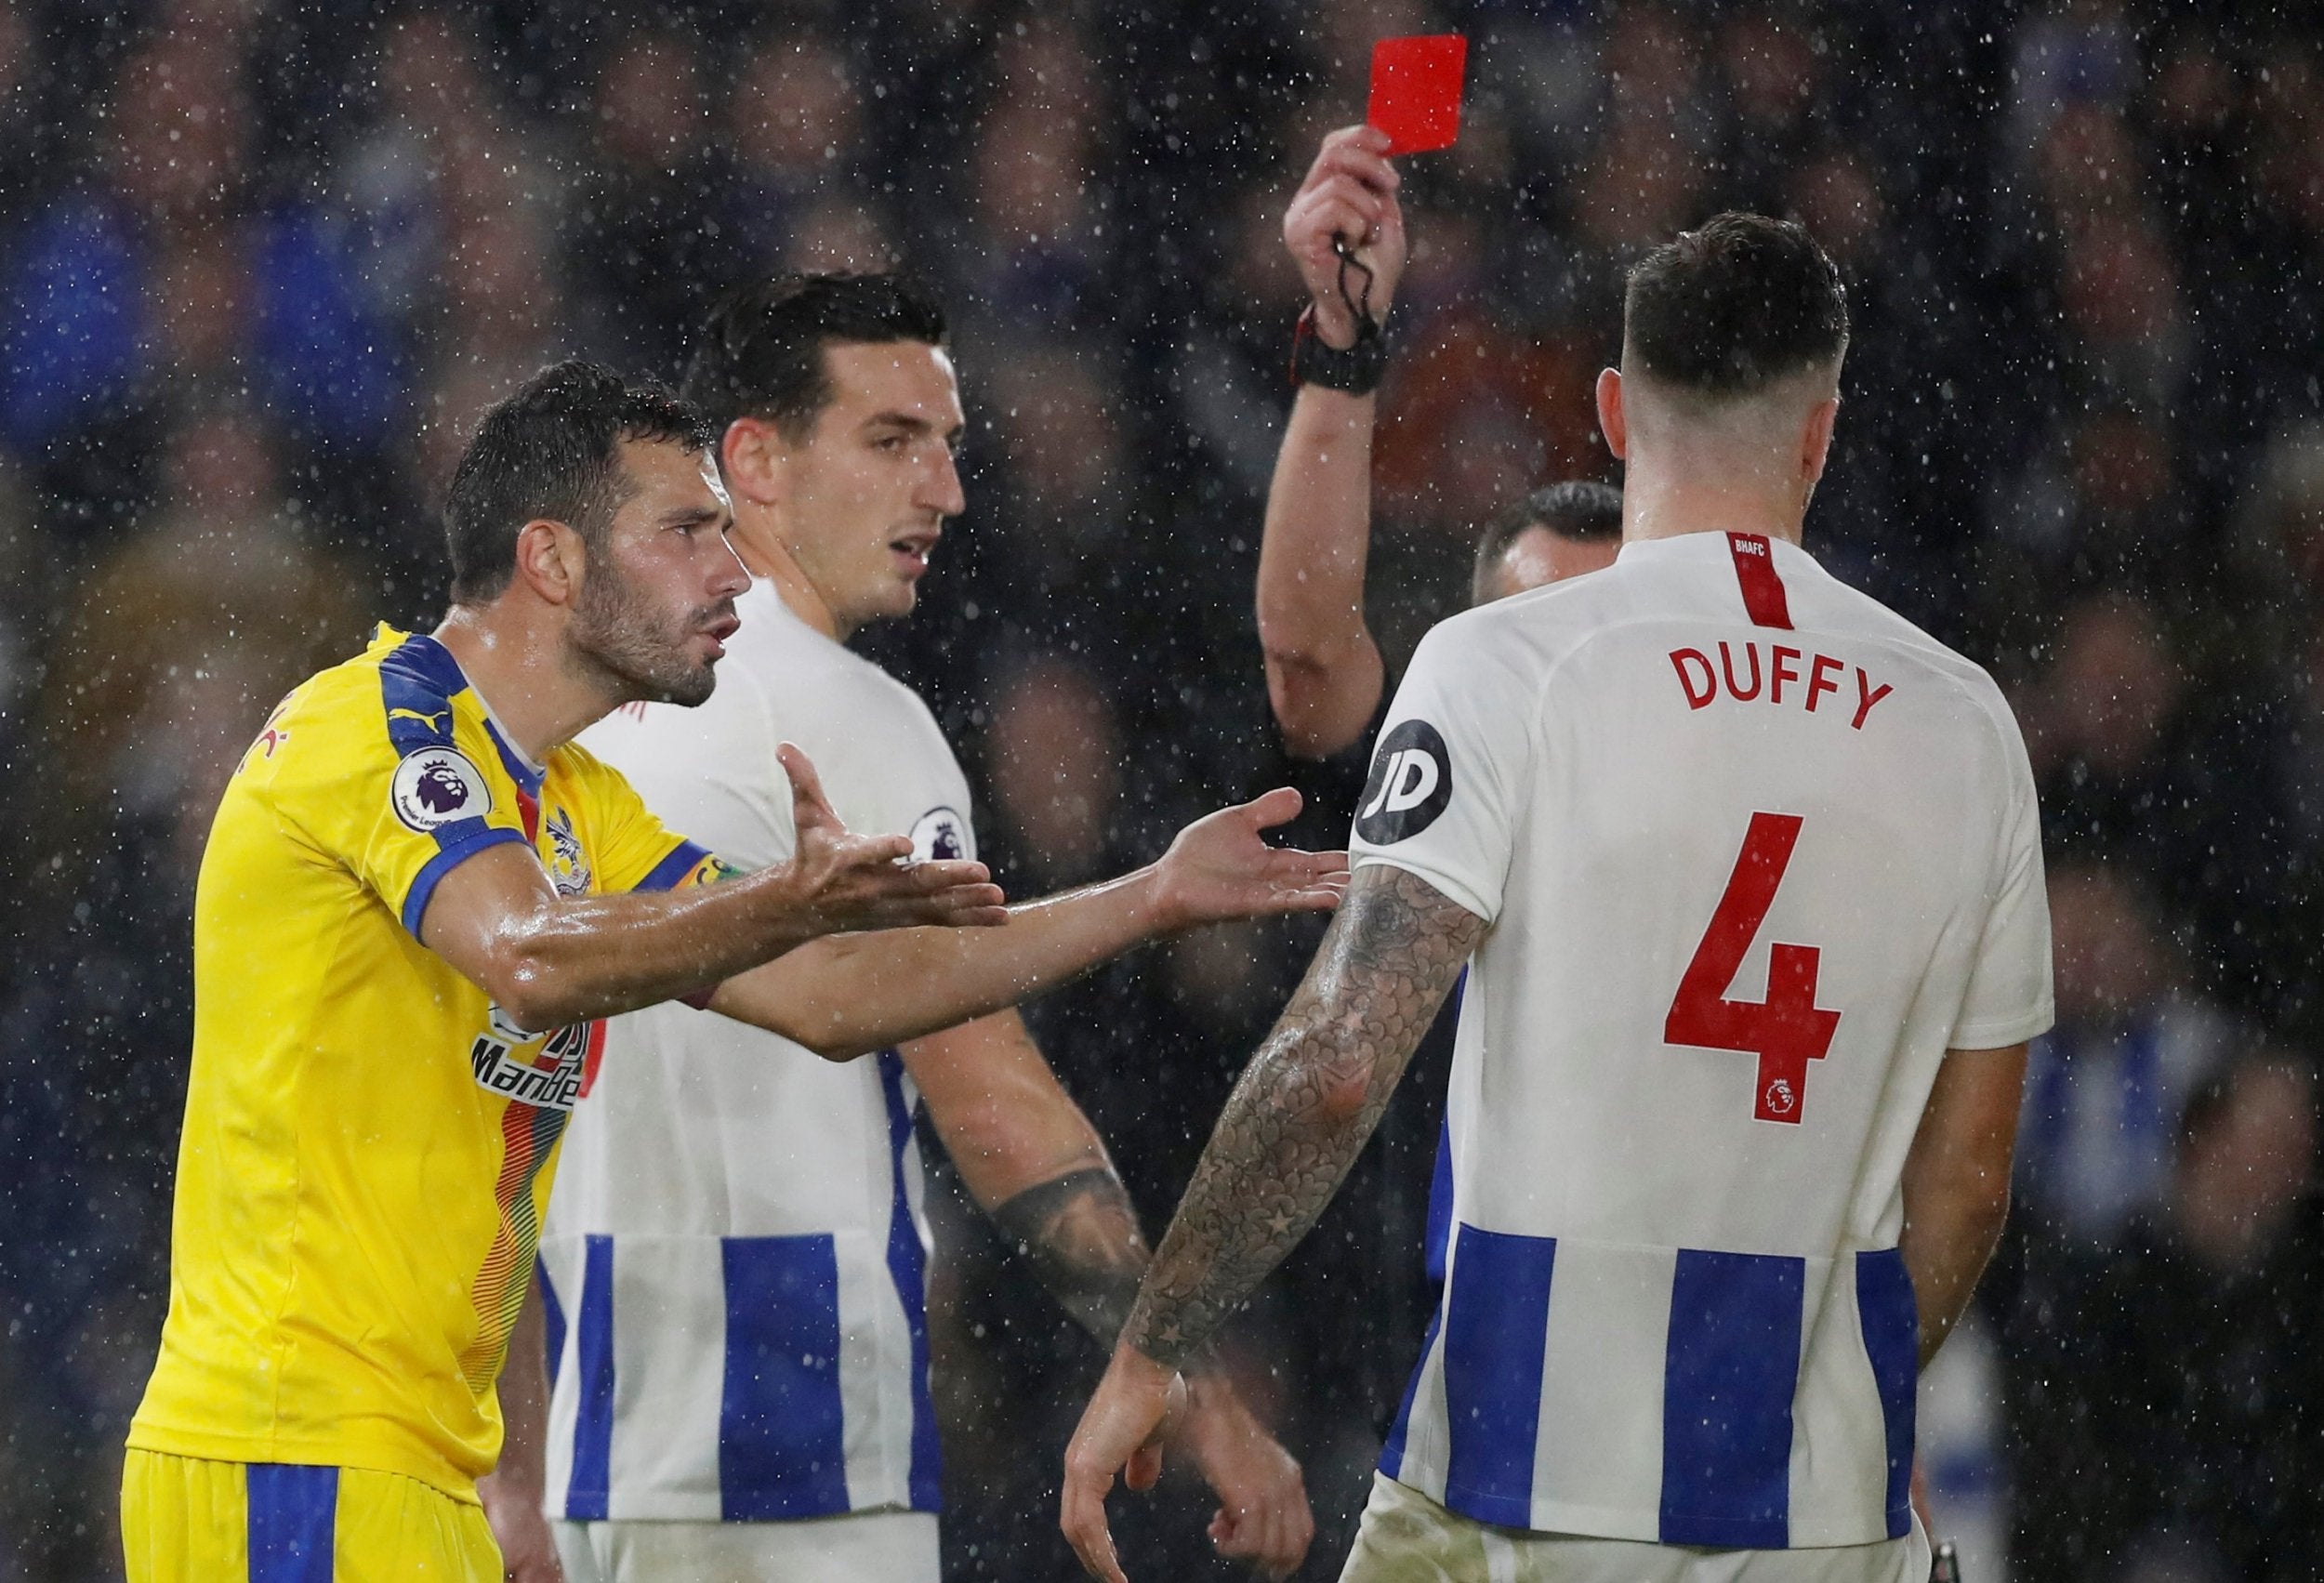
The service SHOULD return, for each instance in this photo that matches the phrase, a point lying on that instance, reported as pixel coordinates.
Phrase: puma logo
(427, 720)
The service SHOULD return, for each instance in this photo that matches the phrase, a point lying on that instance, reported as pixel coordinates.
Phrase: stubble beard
(616, 633)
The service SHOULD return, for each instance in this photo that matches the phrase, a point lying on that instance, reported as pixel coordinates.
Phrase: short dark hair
(1731, 308)
(761, 350)
(1577, 510)
(550, 450)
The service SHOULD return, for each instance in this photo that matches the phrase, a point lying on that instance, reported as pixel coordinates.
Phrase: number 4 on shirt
(1787, 1030)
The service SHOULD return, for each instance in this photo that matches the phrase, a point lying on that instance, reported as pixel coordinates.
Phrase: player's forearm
(849, 995)
(523, 1387)
(600, 956)
(1950, 1232)
(1304, 1107)
(1081, 1232)
(1324, 673)
(1031, 1160)
(1957, 1181)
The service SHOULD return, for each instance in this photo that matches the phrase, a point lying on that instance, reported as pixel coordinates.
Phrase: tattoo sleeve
(1305, 1104)
(1082, 1235)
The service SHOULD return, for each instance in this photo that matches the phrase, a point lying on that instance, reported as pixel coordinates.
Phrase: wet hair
(1577, 509)
(1728, 310)
(761, 353)
(550, 450)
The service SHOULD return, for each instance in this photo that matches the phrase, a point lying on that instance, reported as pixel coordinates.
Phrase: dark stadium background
(263, 261)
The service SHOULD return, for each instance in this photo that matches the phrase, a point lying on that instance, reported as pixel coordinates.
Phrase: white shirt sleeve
(2010, 997)
(1450, 770)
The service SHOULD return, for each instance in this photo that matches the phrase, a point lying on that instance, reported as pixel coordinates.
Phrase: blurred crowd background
(263, 262)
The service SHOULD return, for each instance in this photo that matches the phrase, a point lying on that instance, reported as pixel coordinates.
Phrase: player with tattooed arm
(1745, 872)
(1327, 682)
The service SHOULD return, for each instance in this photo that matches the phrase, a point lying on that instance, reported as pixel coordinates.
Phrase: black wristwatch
(1355, 370)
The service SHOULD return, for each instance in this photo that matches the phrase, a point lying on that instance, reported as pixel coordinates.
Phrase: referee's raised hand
(854, 882)
(1349, 198)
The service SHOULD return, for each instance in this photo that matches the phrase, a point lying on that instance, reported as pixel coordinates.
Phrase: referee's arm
(1323, 669)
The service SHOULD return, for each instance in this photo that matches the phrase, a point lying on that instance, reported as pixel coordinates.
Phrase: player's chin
(904, 597)
(686, 683)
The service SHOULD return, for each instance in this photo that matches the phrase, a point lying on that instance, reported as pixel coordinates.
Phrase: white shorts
(1407, 1537)
(891, 1544)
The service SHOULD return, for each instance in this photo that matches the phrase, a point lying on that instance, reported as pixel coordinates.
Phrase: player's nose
(940, 487)
(729, 576)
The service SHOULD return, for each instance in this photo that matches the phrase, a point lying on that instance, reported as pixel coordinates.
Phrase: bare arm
(1324, 671)
(1032, 1161)
(1957, 1182)
(547, 960)
(512, 1491)
(1293, 1126)
(843, 997)
(1306, 1105)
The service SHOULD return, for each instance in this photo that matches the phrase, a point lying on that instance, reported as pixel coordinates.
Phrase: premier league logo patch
(940, 834)
(437, 786)
(1411, 783)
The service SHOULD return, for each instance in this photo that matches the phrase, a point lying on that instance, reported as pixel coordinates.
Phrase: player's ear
(1815, 438)
(1611, 416)
(551, 561)
(753, 459)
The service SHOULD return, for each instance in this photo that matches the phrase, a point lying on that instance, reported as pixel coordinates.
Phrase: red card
(1416, 92)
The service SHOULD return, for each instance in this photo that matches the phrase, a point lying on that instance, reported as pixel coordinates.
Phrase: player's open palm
(846, 881)
(1221, 867)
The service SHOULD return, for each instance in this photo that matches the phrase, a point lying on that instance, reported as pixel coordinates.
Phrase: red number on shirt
(1787, 1030)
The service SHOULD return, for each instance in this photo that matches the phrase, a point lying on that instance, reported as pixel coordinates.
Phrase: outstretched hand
(1350, 194)
(854, 882)
(1221, 867)
(1136, 1405)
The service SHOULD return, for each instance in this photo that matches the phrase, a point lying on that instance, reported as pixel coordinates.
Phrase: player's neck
(764, 555)
(524, 677)
(1662, 506)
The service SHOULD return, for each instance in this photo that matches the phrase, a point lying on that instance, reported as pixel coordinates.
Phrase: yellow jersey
(368, 1145)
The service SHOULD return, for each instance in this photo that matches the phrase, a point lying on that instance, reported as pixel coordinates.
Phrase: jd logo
(1411, 783)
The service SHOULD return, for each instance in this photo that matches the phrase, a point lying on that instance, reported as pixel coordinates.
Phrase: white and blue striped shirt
(1753, 854)
(736, 1247)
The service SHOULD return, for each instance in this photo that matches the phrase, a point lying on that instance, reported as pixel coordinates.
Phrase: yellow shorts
(188, 1521)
